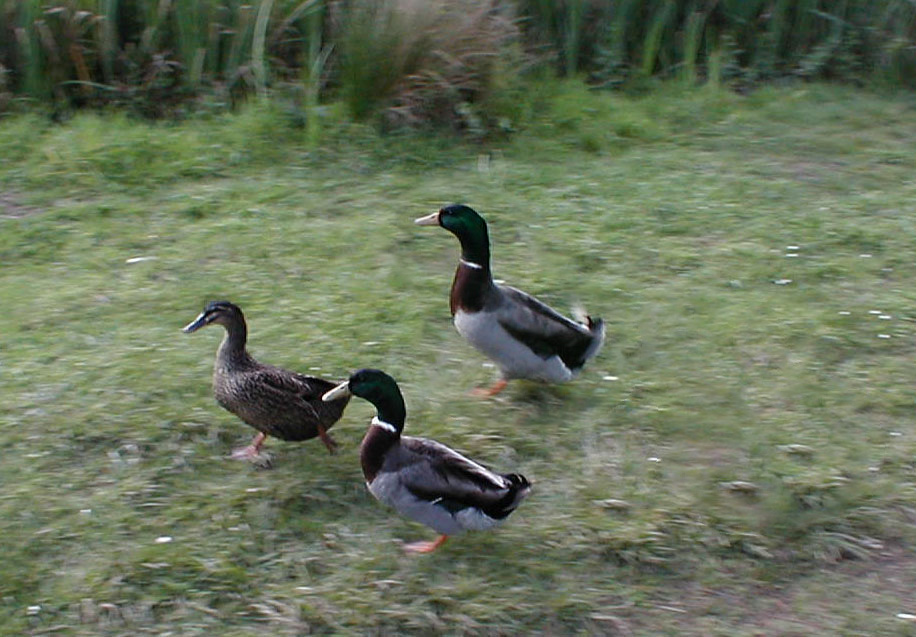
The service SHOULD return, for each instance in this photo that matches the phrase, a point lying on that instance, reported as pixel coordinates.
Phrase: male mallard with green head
(523, 336)
(274, 401)
(423, 479)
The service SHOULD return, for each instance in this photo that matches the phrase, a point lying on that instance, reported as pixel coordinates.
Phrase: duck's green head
(465, 223)
(220, 312)
(378, 388)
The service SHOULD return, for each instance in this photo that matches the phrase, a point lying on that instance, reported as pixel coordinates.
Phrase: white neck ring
(387, 426)
(471, 264)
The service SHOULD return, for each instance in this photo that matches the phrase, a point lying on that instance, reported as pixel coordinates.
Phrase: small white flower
(163, 539)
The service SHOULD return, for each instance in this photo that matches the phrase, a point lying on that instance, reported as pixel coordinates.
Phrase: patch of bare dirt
(11, 208)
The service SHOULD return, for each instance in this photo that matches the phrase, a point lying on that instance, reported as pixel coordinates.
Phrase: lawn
(740, 459)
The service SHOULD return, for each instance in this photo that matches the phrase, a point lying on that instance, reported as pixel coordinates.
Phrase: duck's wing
(308, 387)
(281, 403)
(433, 472)
(542, 329)
(286, 385)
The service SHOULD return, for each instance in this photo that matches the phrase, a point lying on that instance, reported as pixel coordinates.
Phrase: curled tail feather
(595, 326)
(519, 488)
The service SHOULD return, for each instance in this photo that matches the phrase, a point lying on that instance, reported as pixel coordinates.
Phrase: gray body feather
(436, 486)
(527, 338)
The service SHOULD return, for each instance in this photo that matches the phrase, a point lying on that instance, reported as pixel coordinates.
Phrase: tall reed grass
(850, 40)
(154, 51)
(428, 61)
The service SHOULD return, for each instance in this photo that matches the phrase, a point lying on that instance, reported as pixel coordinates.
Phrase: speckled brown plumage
(275, 401)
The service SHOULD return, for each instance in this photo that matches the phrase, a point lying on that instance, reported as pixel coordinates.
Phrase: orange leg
(326, 439)
(251, 451)
(492, 390)
(425, 547)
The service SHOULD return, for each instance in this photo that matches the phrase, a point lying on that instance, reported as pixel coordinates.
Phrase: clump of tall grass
(5, 94)
(420, 62)
(567, 28)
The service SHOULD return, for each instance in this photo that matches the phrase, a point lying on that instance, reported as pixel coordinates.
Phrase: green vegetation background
(427, 63)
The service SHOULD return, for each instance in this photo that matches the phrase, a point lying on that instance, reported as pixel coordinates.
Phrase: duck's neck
(384, 432)
(232, 351)
(473, 278)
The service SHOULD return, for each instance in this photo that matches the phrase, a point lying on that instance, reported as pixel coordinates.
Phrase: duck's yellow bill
(428, 220)
(338, 392)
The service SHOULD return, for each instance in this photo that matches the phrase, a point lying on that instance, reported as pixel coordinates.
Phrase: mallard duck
(523, 336)
(274, 401)
(423, 479)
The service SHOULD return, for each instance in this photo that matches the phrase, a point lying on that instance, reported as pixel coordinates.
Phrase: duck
(423, 479)
(525, 337)
(275, 401)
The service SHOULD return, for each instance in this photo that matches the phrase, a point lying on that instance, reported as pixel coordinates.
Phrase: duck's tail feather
(595, 326)
(519, 488)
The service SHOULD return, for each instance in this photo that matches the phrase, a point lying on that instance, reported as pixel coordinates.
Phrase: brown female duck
(274, 401)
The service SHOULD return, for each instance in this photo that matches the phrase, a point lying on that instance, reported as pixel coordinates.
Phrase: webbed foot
(252, 451)
(492, 390)
(425, 547)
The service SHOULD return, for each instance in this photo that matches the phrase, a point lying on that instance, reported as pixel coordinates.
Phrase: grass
(737, 247)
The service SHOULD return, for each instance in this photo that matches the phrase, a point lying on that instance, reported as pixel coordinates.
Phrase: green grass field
(739, 460)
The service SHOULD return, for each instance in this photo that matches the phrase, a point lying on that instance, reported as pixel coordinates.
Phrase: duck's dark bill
(338, 392)
(428, 220)
(196, 324)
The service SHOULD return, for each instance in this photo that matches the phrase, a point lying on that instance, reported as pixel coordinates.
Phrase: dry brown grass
(470, 40)
(423, 62)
